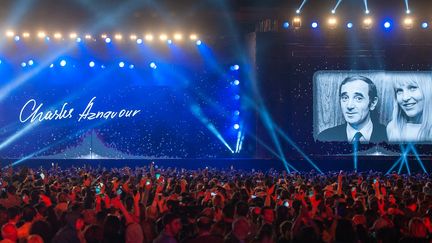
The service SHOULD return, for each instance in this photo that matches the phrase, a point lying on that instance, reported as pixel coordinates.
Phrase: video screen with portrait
(383, 106)
(299, 79)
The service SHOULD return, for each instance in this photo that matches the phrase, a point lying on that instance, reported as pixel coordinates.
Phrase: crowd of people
(150, 204)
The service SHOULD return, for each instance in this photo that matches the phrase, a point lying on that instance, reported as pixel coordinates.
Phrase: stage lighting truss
(115, 37)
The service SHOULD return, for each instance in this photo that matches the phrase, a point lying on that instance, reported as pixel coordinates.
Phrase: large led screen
(373, 106)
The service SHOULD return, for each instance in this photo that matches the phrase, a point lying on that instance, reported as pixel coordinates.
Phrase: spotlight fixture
(104, 36)
(153, 65)
(133, 37)
(297, 11)
(314, 25)
(424, 25)
(57, 36)
(73, 35)
(87, 37)
(26, 35)
(235, 67)
(198, 42)
(332, 22)
(148, 37)
(286, 25)
(41, 34)
(163, 37)
(193, 37)
(387, 25)
(367, 11)
(178, 36)
(10, 33)
(349, 25)
(118, 37)
(296, 22)
(408, 23)
(367, 23)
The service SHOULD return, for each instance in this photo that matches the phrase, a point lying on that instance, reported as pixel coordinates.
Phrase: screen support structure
(355, 149)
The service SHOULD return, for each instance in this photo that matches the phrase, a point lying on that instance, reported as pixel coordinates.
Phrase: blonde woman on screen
(412, 109)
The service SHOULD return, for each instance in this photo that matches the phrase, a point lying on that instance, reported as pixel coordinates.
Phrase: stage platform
(324, 163)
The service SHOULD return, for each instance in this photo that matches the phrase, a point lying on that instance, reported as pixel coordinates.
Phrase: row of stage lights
(236, 82)
(121, 64)
(92, 64)
(367, 23)
(178, 37)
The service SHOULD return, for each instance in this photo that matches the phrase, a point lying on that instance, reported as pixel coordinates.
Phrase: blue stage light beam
(239, 135)
(210, 59)
(403, 161)
(21, 79)
(19, 9)
(336, 6)
(31, 155)
(408, 11)
(394, 165)
(107, 21)
(268, 123)
(366, 6)
(299, 9)
(197, 112)
(407, 166)
(267, 147)
(414, 150)
(241, 143)
(18, 134)
(294, 145)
